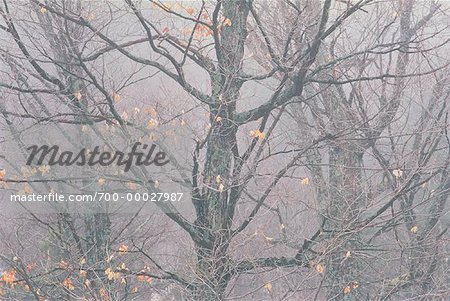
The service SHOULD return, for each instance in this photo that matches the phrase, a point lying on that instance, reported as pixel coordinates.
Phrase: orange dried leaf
(64, 264)
(123, 249)
(258, 134)
(398, 173)
(104, 293)
(132, 185)
(67, 283)
(9, 277)
(151, 111)
(101, 182)
(122, 266)
(31, 266)
(305, 181)
(152, 123)
(227, 22)
(27, 189)
(320, 268)
(116, 97)
(268, 239)
(144, 278)
(111, 275)
(190, 10)
(44, 169)
(77, 95)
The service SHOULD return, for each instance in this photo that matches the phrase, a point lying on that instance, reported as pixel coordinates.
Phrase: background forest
(311, 139)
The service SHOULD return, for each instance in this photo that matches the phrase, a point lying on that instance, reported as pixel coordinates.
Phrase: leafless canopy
(312, 137)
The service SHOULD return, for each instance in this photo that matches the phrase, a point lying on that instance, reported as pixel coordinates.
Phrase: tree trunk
(215, 208)
(346, 200)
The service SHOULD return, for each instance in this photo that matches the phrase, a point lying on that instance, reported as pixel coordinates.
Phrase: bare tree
(320, 170)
